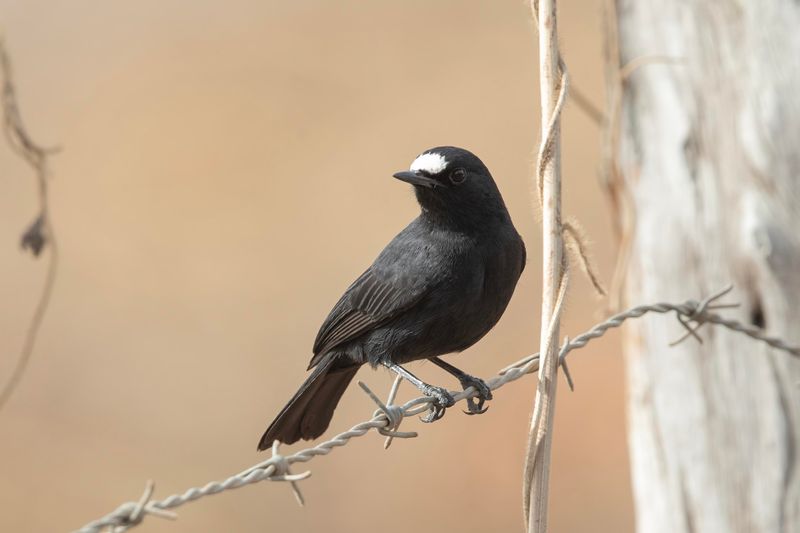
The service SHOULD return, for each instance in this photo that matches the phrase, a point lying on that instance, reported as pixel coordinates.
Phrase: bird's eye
(458, 176)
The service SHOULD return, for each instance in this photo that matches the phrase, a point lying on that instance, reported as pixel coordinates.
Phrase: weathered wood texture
(709, 158)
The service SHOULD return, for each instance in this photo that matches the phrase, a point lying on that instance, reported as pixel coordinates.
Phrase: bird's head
(453, 182)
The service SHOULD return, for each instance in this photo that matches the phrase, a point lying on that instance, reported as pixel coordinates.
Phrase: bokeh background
(225, 174)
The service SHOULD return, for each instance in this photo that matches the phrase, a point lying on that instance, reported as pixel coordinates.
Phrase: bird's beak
(415, 178)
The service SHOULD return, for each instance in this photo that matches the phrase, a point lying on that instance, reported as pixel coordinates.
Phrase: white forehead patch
(429, 162)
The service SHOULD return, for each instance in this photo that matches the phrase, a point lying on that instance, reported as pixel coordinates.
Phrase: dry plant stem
(585, 104)
(387, 421)
(40, 233)
(33, 327)
(537, 465)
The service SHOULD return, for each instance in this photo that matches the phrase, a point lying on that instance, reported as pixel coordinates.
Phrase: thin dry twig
(586, 105)
(276, 468)
(576, 245)
(40, 232)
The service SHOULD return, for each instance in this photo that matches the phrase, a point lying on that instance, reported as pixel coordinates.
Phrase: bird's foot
(442, 399)
(475, 405)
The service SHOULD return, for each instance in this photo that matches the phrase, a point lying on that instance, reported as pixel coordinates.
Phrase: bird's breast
(472, 300)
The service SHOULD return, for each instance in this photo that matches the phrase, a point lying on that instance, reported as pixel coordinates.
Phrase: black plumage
(438, 287)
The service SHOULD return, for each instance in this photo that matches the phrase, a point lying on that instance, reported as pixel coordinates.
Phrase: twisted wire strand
(276, 468)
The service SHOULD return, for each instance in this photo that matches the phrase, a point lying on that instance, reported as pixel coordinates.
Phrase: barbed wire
(692, 315)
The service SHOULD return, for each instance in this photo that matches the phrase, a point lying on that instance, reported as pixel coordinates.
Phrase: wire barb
(564, 367)
(131, 514)
(699, 314)
(143, 507)
(282, 473)
(394, 414)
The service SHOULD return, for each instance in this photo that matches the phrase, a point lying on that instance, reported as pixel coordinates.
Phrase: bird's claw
(442, 399)
(475, 408)
(475, 405)
(436, 412)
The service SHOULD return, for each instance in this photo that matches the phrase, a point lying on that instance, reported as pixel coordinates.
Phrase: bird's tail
(309, 412)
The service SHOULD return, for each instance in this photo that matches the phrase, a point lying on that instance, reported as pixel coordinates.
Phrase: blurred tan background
(226, 173)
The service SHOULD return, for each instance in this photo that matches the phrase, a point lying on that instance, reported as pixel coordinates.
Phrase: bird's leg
(480, 386)
(442, 398)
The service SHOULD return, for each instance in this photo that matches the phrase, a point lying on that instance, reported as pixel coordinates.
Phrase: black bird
(437, 288)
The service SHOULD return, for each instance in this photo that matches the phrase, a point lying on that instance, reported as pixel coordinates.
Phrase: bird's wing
(374, 298)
